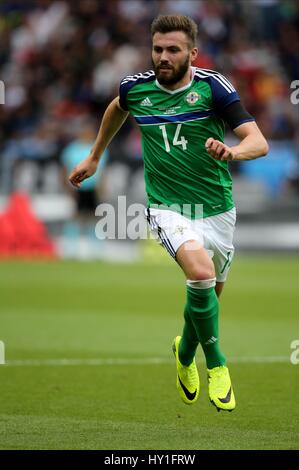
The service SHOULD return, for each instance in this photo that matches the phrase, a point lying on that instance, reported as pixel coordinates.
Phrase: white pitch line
(87, 362)
(137, 361)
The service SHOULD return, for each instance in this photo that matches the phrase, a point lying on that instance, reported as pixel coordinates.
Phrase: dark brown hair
(168, 23)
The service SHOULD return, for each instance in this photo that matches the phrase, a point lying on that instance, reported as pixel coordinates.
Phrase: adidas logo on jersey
(146, 102)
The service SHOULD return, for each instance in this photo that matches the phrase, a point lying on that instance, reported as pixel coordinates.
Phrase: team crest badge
(192, 97)
(179, 230)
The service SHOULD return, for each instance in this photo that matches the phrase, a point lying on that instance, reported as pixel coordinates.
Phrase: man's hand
(84, 170)
(218, 150)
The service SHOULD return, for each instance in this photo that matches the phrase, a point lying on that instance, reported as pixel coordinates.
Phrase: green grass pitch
(118, 322)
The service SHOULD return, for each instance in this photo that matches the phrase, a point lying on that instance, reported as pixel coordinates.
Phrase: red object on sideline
(22, 234)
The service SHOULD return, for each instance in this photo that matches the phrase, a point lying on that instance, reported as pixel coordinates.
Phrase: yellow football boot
(187, 377)
(220, 389)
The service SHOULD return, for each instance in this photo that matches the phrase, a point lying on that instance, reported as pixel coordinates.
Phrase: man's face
(172, 56)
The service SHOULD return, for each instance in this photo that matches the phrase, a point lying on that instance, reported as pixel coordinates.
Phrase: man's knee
(201, 273)
(196, 263)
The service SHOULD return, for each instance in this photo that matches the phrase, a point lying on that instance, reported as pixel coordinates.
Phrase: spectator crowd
(61, 63)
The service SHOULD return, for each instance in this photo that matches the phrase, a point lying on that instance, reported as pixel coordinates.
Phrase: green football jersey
(175, 126)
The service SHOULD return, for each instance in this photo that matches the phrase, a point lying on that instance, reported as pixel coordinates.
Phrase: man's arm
(253, 144)
(113, 119)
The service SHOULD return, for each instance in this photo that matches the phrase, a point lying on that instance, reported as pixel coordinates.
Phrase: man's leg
(178, 237)
(201, 318)
(189, 340)
(201, 311)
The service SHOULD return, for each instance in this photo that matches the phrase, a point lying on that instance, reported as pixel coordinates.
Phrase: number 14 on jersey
(177, 140)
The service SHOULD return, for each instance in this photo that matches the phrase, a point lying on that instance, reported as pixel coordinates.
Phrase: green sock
(202, 306)
(189, 341)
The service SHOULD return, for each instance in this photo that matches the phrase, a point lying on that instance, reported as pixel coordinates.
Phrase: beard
(175, 75)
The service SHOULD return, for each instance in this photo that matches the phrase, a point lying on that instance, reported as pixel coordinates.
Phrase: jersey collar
(172, 92)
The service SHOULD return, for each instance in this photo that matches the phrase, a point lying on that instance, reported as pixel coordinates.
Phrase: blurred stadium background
(61, 63)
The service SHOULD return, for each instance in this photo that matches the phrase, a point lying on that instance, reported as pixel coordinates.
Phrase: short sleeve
(223, 91)
(235, 114)
(129, 82)
(123, 91)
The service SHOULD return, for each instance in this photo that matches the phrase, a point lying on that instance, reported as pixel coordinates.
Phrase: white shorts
(214, 233)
